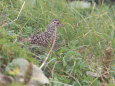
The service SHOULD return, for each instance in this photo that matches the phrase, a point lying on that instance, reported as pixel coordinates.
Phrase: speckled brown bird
(45, 38)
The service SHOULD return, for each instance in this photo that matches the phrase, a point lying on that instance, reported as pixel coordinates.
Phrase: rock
(80, 4)
(18, 63)
(5, 80)
(89, 73)
(31, 3)
(36, 76)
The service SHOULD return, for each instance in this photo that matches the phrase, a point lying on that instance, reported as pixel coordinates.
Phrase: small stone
(5, 80)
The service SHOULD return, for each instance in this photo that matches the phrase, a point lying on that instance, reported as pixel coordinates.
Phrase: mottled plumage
(46, 38)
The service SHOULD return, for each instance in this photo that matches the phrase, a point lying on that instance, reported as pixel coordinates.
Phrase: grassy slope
(90, 29)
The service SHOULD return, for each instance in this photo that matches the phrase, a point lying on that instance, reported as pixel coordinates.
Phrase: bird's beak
(62, 25)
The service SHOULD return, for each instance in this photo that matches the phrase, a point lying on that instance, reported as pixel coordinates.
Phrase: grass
(86, 35)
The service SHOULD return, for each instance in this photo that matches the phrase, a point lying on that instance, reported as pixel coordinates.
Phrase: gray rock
(5, 80)
(20, 63)
(80, 4)
(38, 78)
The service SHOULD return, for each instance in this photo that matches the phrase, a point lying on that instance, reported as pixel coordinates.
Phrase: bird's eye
(58, 23)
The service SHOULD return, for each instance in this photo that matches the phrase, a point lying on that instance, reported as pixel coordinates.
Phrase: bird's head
(55, 23)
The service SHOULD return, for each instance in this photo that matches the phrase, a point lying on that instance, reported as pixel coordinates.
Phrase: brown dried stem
(28, 73)
(51, 49)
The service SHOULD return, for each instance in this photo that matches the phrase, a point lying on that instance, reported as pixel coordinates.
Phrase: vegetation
(83, 39)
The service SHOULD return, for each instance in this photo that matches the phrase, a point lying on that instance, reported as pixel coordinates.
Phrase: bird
(46, 38)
